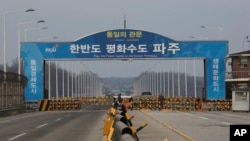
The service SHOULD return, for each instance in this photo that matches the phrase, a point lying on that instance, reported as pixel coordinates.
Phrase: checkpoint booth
(240, 99)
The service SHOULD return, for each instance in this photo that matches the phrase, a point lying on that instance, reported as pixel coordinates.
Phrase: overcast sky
(177, 19)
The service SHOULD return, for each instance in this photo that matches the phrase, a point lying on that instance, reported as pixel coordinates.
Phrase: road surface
(86, 124)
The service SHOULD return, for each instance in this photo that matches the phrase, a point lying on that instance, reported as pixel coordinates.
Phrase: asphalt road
(86, 124)
(83, 125)
(199, 126)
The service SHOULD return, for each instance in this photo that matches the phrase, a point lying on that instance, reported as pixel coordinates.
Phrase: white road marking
(20, 117)
(13, 138)
(227, 123)
(4, 121)
(188, 114)
(203, 118)
(197, 116)
(40, 126)
(58, 119)
(236, 115)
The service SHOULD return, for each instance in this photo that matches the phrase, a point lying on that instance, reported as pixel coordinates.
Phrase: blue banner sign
(124, 44)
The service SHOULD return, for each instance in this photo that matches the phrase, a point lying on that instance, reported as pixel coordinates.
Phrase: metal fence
(11, 90)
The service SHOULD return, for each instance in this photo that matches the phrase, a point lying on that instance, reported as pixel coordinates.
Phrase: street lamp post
(246, 39)
(4, 35)
(198, 37)
(19, 47)
(52, 38)
(26, 30)
(220, 29)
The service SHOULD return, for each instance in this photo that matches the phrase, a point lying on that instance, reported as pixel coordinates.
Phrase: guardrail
(11, 89)
(5, 111)
(2, 109)
(118, 125)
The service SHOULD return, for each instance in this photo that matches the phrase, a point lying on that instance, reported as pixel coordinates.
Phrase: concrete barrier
(127, 137)
(121, 129)
(119, 126)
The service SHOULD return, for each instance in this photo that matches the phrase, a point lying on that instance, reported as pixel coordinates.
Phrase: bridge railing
(11, 90)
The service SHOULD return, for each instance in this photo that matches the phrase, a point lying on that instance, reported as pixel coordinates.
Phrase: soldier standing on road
(119, 98)
(131, 103)
(161, 101)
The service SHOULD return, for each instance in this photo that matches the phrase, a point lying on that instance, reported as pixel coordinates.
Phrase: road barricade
(118, 125)
(181, 103)
(97, 100)
(219, 105)
(43, 105)
(59, 104)
(170, 103)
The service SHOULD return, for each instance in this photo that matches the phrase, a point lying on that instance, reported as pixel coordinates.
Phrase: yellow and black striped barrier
(181, 103)
(59, 104)
(171, 103)
(108, 129)
(44, 105)
(97, 100)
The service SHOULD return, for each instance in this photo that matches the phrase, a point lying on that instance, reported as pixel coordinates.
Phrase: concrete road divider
(121, 129)
(121, 118)
(127, 137)
(119, 126)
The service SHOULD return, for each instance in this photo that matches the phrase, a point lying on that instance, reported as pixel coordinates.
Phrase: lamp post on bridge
(4, 34)
(220, 29)
(28, 29)
(52, 38)
(246, 39)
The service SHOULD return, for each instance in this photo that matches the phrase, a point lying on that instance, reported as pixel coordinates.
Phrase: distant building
(239, 76)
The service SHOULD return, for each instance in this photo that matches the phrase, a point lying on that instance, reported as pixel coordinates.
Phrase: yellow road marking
(170, 127)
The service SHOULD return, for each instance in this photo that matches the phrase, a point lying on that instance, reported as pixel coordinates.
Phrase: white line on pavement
(227, 123)
(58, 119)
(237, 115)
(203, 117)
(188, 114)
(11, 139)
(21, 117)
(40, 126)
(4, 121)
